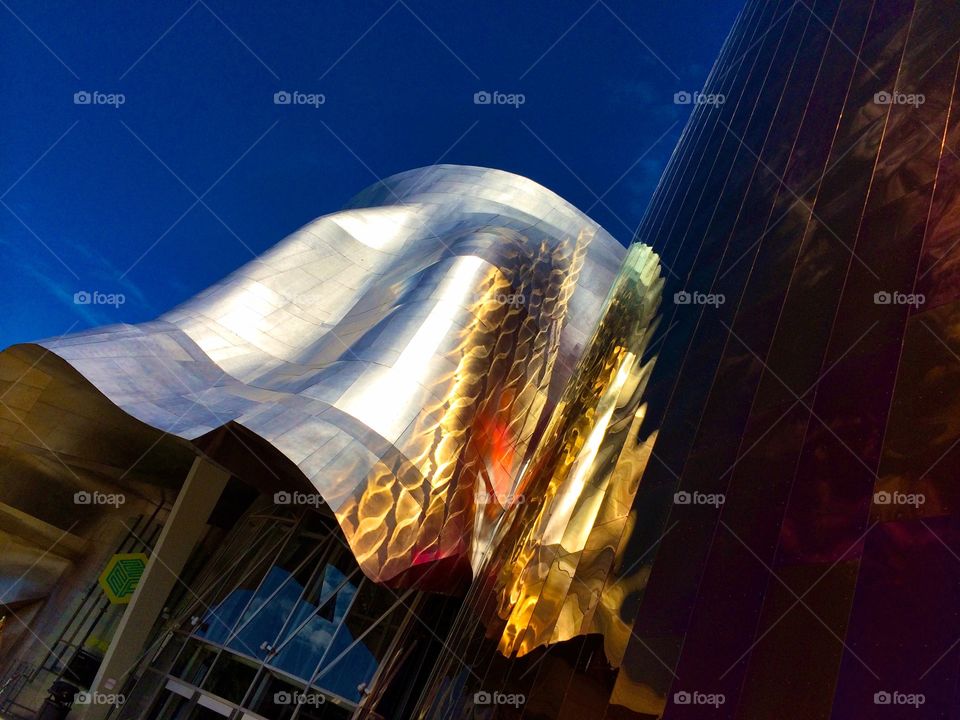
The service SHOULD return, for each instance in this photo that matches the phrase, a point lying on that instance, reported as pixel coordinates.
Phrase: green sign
(121, 575)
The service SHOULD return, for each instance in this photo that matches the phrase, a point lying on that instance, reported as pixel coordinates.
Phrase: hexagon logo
(122, 575)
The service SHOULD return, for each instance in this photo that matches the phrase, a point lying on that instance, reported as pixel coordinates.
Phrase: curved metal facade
(403, 353)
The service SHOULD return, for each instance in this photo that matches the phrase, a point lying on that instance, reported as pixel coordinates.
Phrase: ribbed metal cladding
(796, 524)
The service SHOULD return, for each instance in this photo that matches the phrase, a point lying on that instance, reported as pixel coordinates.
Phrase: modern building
(265, 502)
(455, 453)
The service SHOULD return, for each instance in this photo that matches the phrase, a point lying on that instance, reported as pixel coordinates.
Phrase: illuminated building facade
(455, 453)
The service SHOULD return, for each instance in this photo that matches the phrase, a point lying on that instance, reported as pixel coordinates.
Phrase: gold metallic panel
(562, 574)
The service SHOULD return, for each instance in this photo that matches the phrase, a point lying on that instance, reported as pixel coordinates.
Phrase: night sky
(181, 167)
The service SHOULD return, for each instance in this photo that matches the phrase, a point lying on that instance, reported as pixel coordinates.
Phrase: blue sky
(198, 169)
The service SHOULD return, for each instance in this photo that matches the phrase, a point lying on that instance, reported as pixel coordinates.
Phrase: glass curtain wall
(283, 626)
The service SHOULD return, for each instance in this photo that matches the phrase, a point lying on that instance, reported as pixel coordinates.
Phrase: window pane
(219, 621)
(194, 662)
(230, 678)
(169, 707)
(275, 599)
(374, 615)
(314, 623)
(277, 698)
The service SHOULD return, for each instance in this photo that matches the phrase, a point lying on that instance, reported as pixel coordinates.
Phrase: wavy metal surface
(559, 572)
(404, 353)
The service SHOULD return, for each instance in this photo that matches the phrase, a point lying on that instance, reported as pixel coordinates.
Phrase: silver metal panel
(392, 334)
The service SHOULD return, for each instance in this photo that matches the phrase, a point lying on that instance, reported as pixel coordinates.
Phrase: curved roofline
(456, 171)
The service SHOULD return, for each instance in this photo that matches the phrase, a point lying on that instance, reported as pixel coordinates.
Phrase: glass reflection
(315, 622)
(298, 616)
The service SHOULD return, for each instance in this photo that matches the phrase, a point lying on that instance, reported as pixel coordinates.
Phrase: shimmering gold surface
(466, 447)
(563, 576)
